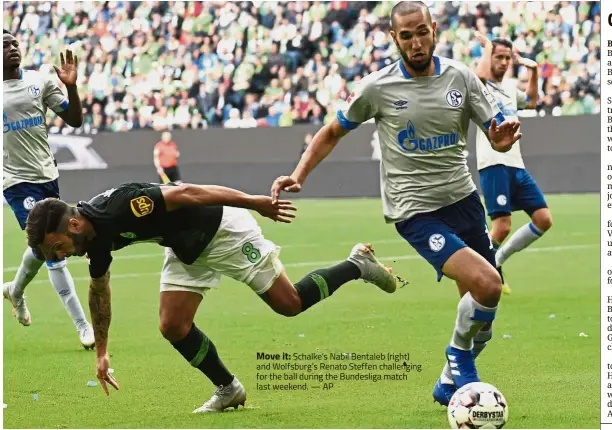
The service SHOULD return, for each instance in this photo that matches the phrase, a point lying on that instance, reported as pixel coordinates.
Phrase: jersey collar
(20, 78)
(407, 74)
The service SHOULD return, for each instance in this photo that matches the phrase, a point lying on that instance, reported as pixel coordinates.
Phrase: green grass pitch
(547, 371)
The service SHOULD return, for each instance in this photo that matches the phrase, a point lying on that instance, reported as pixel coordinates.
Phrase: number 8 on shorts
(252, 254)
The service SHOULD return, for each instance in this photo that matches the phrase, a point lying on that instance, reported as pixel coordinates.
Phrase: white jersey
(26, 155)
(422, 125)
(509, 100)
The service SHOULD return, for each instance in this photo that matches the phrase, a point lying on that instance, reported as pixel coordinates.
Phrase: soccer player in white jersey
(506, 184)
(30, 172)
(422, 106)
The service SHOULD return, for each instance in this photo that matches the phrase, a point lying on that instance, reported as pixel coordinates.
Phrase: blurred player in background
(506, 184)
(422, 105)
(165, 159)
(30, 171)
(207, 232)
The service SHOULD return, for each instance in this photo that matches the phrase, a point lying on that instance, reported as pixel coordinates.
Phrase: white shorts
(238, 250)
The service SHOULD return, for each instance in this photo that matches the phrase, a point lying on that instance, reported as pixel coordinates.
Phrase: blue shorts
(439, 234)
(22, 197)
(508, 189)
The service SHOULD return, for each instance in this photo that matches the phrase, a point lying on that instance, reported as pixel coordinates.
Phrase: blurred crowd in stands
(169, 65)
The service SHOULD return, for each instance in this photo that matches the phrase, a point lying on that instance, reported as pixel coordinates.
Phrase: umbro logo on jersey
(400, 104)
(141, 206)
(34, 91)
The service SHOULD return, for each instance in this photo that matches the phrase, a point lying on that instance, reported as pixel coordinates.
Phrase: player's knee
(543, 222)
(173, 329)
(503, 232)
(487, 287)
(502, 229)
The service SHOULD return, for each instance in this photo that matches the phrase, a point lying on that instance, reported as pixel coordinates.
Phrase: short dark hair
(408, 7)
(501, 42)
(46, 217)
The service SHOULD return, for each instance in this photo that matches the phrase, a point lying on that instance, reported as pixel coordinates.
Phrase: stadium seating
(274, 64)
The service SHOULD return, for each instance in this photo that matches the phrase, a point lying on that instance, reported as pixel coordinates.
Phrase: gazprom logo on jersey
(407, 140)
(22, 124)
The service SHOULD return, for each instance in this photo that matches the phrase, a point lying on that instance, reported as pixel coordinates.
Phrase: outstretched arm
(100, 309)
(321, 145)
(183, 195)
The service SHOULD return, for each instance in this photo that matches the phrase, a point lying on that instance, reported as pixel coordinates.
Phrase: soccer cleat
(20, 308)
(506, 289)
(442, 393)
(86, 336)
(463, 366)
(228, 396)
(372, 270)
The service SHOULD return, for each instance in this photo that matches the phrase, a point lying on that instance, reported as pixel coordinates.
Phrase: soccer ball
(477, 406)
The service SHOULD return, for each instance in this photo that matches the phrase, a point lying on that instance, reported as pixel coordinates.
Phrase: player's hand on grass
(281, 210)
(102, 365)
(67, 73)
(284, 183)
(504, 136)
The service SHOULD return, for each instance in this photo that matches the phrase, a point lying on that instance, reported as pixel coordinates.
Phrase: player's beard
(499, 76)
(419, 67)
(80, 242)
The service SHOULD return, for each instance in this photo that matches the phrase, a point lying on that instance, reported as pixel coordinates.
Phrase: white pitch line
(288, 246)
(115, 258)
(161, 253)
(393, 258)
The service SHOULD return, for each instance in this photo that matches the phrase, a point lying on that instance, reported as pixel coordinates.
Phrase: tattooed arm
(100, 308)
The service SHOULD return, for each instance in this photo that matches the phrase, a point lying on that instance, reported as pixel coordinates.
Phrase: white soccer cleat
(228, 396)
(372, 270)
(86, 336)
(20, 308)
